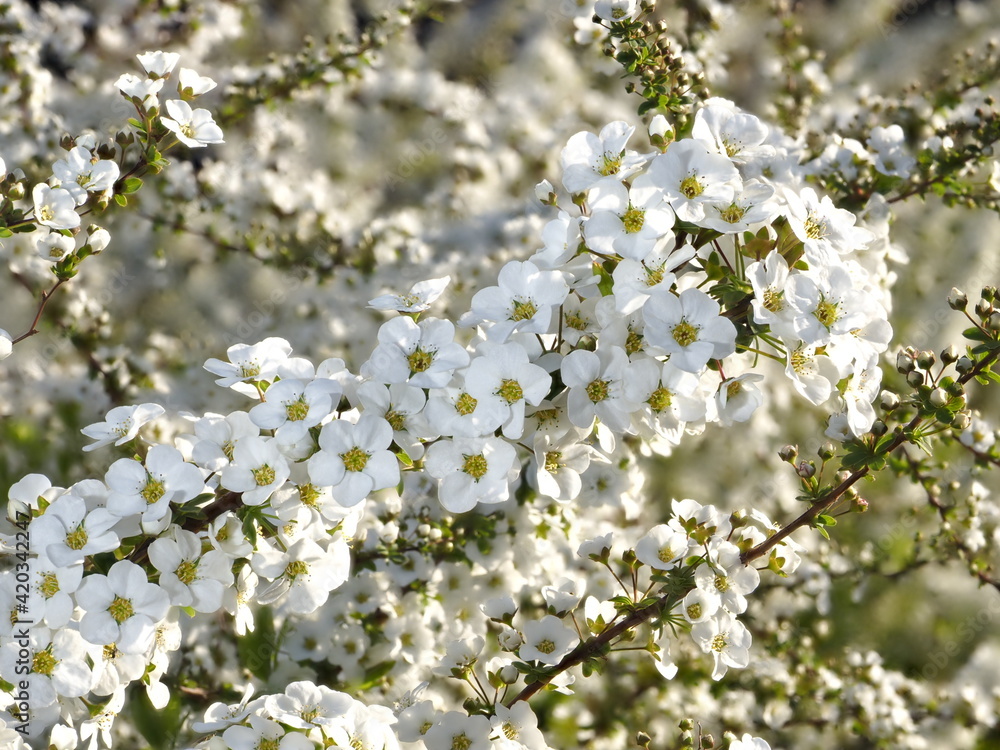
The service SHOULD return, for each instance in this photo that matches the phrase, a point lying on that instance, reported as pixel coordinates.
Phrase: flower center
(666, 554)
(816, 228)
(49, 586)
(510, 391)
(719, 643)
(121, 609)
(826, 312)
(732, 214)
(44, 662)
(461, 742)
(633, 341)
(654, 275)
(721, 584)
(396, 420)
(552, 461)
(684, 333)
(633, 219)
(296, 568)
(153, 490)
(475, 466)
(597, 391)
(46, 213)
(575, 321)
(659, 399)
(772, 300)
(309, 495)
(694, 611)
(465, 404)
(801, 363)
(77, 539)
(733, 389)
(355, 459)
(691, 188)
(309, 713)
(263, 475)
(110, 652)
(227, 449)
(523, 310)
(187, 571)
(297, 410)
(610, 164)
(123, 427)
(420, 361)
(546, 646)
(250, 370)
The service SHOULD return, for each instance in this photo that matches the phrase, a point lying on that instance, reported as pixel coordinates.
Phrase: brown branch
(46, 296)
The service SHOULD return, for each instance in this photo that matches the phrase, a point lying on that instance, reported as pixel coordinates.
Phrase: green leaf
(257, 649)
(375, 673)
(159, 726)
(5, 232)
(132, 185)
(121, 200)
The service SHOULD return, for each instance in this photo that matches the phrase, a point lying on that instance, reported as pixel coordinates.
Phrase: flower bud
(806, 469)
(983, 308)
(925, 359)
(788, 453)
(938, 397)
(915, 378)
(957, 299)
(989, 293)
(879, 428)
(889, 400)
(950, 354)
(860, 505)
(964, 365)
(545, 193)
(994, 322)
(961, 421)
(904, 361)
(826, 451)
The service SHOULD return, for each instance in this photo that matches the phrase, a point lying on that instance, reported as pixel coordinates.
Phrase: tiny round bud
(642, 739)
(925, 359)
(961, 421)
(826, 451)
(842, 475)
(915, 378)
(950, 354)
(957, 299)
(994, 322)
(964, 365)
(938, 397)
(806, 469)
(788, 453)
(983, 308)
(904, 362)
(989, 293)
(879, 428)
(860, 505)
(889, 400)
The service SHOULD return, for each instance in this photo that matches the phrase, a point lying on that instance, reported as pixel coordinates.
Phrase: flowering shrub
(439, 536)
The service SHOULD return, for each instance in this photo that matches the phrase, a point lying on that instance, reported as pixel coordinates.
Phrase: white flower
(191, 578)
(596, 388)
(726, 575)
(192, 127)
(460, 656)
(122, 607)
(304, 705)
(769, 279)
(587, 158)
(670, 398)
(616, 11)
(631, 223)
(354, 459)
(149, 489)
(738, 398)
(733, 133)
(265, 733)
(891, 156)
(80, 173)
(190, 84)
(751, 205)
(565, 596)
(813, 375)
(248, 363)
(54, 207)
(502, 378)
(827, 232)
(559, 463)
(400, 405)
(418, 299)
(518, 726)
(698, 605)
(143, 89)
(424, 355)
(861, 391)
(978, 435)
(54, 246)
(635, 281)
(727, 639)
(158, 64)
(306, 572)
(693, 177)
(661, 657)
(471, 471)
(257, 469)
(6, 344)
(749, 742)
(56, 668)
(663, 547)
(456, 730)
(292, 406)
(121, 424)
(826, 305)
(67, 532)
(547, 640)
(525, 299)
(689, 328)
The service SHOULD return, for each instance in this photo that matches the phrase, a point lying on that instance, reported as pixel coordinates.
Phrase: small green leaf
(132, 185)
(121, 200)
